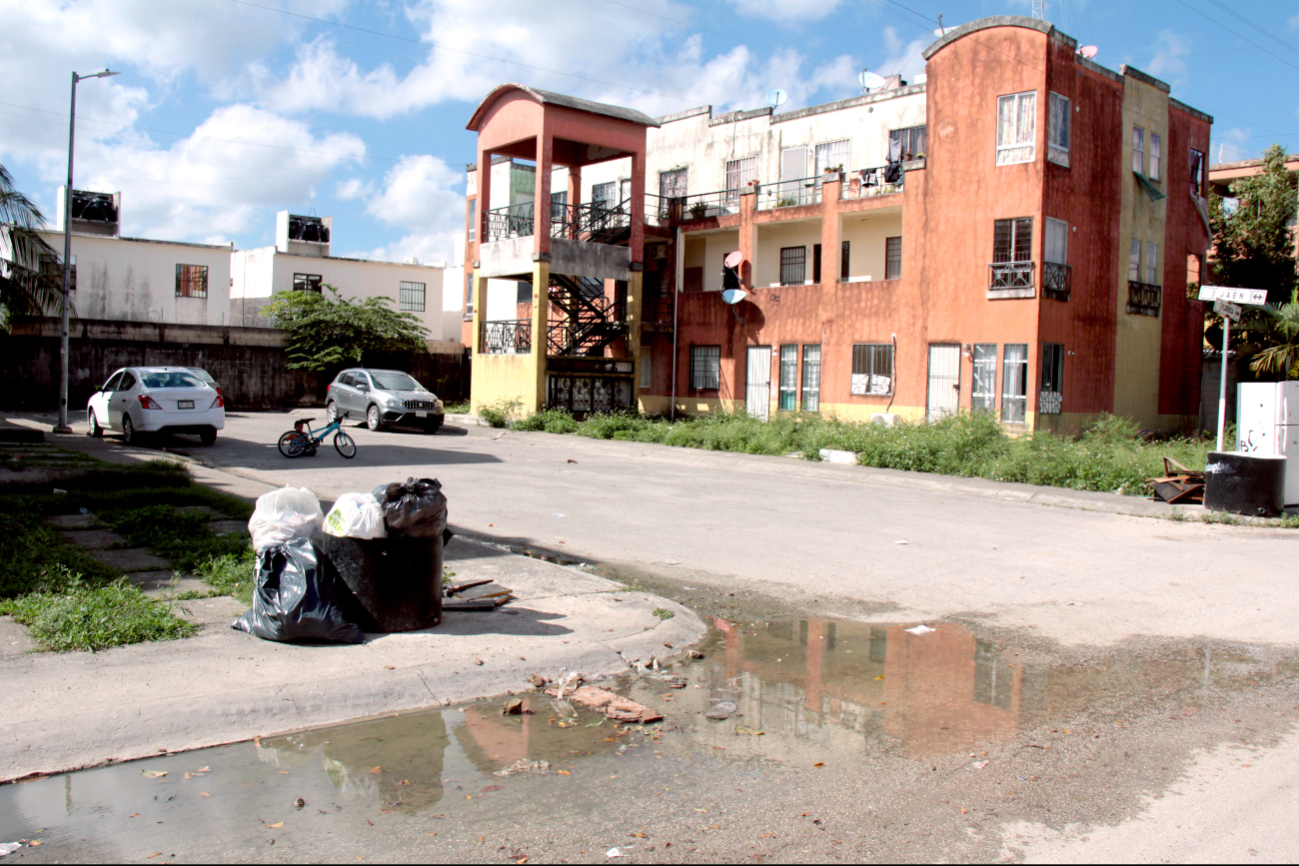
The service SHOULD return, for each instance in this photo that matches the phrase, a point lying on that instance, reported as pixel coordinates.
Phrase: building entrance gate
(757, 382)
(944, 380)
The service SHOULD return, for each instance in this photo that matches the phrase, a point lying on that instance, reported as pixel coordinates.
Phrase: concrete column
(635, 297)
(574, 193)
(637, 205)
(831, 255)
(748, 236)
(535, 401)
(480, 312)
(484, 200)
(541, 195)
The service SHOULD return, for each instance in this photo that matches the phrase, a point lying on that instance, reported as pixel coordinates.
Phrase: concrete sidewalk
(69, 710)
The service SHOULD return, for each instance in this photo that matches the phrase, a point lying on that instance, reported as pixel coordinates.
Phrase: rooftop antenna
(1039, 10)
(776, 98)
(942, 31)
(732, 297)
(868, 80)
(1089, 51)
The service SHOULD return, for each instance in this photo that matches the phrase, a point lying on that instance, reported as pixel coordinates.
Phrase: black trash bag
(294, 600)
(415, 508)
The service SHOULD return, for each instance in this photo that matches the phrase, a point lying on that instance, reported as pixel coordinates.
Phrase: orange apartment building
(1012, 234)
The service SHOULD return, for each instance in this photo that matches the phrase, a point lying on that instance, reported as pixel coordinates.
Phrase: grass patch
(663, 613)
(232, 574)
(1111, 456)
(461, 408)
(500, 413)
(183, 537)
(68, 613)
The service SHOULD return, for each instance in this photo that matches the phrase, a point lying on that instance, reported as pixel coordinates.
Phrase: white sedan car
(137, 400)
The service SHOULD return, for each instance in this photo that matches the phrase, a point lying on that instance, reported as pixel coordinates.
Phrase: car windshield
(170, 380)
(395, 382)
(201, 375)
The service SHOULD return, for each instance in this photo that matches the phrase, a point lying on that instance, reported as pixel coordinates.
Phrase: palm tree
(24, 291)
(1282, 358)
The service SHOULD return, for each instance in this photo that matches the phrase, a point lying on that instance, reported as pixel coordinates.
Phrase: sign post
(1226, 301)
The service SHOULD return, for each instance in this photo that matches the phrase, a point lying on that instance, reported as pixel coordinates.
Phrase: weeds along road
(819, 536)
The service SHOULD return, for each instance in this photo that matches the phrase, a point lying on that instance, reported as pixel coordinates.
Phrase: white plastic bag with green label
(356, 515)
(290, 512)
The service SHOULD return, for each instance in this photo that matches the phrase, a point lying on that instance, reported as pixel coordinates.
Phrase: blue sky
(228, 111)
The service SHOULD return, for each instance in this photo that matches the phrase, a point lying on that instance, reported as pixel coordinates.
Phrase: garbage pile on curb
(374, 563)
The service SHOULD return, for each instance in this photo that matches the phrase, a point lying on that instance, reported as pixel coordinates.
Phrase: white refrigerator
(1267, 423)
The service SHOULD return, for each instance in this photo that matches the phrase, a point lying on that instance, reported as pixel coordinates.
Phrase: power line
(437, 47)
(1245, 20)
(1237, 35)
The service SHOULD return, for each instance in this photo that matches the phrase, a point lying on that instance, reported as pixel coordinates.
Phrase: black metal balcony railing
(1010, 275)
(790, 193)
(593, 223)
(512, 221)
(1057, 281)
(879, 180)
(507, 338)
(1143, 299)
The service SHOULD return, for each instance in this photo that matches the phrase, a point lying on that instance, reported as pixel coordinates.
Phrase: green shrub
(79, 616)
(233, 574)
(183, 537)
(500, 413)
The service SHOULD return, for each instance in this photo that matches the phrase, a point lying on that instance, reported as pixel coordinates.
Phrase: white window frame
(1056, 242)
(1152, 264)
(407, 295)
(1057, 129)
(1138, 149)
(1134, 261)
(831, 154)
(604, 193)
(738, 174)
(1156, 156)
(1016, 139)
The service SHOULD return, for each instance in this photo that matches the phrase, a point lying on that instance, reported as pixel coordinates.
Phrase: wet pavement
(840, 740)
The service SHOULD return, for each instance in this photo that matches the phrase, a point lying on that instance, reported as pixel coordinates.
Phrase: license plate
(184, 404)
(421, 414)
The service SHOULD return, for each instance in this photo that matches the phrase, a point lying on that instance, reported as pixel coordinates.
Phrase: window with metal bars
(893, 258)
(1014, 383)
(705, 368)
(793, 266)
(672, 184)
(812, 378)
(788, 378)
(738, 174)
(602, 195)
(872, 368)
(1051, 396)
(410, 297)
(307, 283)
(983, 394)
(832, 154)
(1012, 240)
(191, 281)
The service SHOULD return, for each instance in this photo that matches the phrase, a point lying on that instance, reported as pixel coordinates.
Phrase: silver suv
(383, 397)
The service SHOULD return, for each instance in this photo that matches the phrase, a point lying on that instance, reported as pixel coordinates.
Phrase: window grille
(1014, 383)
(1012, 240)
(1051, 396)
(191, 281)
(893, 258)
(307, 283)
(793, 266)
(788, 378)
(1152, 264)
(558, 206)
(906, 143)
(872, 368)
(705, 368)
(1057, 130)
(602, 195)
(984, 391)
(1016, 128)
(1138, 150)
(1156, 154)
(672, 184)
(812, 378)
(833, 154)
(738, 174)
(410, 296)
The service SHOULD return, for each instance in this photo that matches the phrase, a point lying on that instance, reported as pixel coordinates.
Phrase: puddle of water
(806, 692)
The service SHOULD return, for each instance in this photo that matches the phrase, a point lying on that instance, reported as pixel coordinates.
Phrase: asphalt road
(826, 537)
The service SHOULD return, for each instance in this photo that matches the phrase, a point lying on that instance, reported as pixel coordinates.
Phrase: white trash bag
(356, 515)
(290, 512)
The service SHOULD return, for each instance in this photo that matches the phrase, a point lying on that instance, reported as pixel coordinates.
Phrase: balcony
(1010, 280)
(1143, 299)
(790, 193)
(592, 223)
(1057, 281)
(507, 337)
(868, 182)
(507, 223)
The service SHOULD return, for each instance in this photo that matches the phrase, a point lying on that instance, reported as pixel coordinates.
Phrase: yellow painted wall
(504, 379)
(861, 412)
(1136, 367)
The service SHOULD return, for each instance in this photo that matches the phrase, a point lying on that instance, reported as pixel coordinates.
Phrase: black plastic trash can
(395, 584)
(1250, 484)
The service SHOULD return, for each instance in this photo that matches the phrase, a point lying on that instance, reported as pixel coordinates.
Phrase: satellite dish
(733, 260)
(869, 79)
(1089, 51)
(734, 296)
(776, 97)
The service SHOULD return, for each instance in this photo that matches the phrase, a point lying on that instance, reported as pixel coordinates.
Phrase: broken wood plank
(613, 705)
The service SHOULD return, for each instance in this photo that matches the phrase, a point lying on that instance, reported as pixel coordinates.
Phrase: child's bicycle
(303, 441)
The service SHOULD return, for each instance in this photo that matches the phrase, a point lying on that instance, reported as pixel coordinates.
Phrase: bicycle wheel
(344, 444)
(292, 444)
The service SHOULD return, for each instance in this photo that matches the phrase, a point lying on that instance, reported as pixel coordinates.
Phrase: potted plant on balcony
(698, 210)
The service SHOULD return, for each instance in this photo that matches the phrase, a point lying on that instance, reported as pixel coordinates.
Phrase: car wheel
(331, 412)
(129, 436)
(372, 417)
(208, 436)
(95, 429)
(433, 425)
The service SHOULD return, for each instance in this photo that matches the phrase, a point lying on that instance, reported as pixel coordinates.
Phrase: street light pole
(62, 426)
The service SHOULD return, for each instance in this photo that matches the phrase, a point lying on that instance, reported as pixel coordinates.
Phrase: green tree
(328, 331)
(1283, 356)
(1253, 246)
(23, 290)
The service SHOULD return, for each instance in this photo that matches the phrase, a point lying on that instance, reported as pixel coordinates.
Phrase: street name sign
(1252, 297)
(1227, 310)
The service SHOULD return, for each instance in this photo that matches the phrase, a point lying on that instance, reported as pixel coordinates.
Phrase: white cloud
(908, 59)
(424, 196)
(353, 188)
(210, 184)
(1168, 63)
(1232, 145)
(786, 10)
